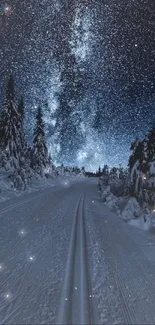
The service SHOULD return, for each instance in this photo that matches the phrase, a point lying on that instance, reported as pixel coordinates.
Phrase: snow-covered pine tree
(151, 145)
(9, 131)
(23, 174)
(99, 171)
(137, 167)
(121, 173)
(23, 143)
(142, 168)
(21, 109)
(105, 170)
(39, 151)
(83, 172)
(113, 173)
(150, 157)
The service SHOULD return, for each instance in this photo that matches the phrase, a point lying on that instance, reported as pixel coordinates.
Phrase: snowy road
(66, 259)
(75, 303)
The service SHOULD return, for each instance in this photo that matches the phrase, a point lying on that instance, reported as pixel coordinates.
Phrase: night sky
(91, 66)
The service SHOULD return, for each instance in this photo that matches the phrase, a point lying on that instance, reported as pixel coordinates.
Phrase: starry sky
(91, 66)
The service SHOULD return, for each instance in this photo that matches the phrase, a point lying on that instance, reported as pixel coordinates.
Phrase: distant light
(144, 177)
(92, 201)
(136, 45)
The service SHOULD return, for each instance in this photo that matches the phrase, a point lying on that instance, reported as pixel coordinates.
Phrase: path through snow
(66, 259)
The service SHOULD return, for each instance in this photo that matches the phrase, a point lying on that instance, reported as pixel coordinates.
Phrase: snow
(35, 263)
(131, 209)
(66, 257)
(123, 268)
(152, 168)
(141, 223)
(77, 260)
(127, 208)
(7, 190)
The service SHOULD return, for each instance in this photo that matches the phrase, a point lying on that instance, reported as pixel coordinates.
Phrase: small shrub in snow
(131, 210)
(105, 192)
(111, 200)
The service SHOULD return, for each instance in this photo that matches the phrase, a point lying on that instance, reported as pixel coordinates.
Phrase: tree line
(142, 167)
(17, 156)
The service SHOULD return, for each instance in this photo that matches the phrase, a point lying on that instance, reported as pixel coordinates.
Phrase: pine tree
(105, 170)
(135, 156)
(23, 143)
(137, 167)
(21, 109)
(40, 152)
(83, 172)
(122, 173)
(9, 128)
(142, 167)
(151, 145)
(113, 173)
(99, 171)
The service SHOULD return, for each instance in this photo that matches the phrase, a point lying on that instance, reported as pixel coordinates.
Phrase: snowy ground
(136, 213)
(65, 258)
(8, 192)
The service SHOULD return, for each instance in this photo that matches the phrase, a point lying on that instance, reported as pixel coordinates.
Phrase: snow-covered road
(75, 299)
(65, 258)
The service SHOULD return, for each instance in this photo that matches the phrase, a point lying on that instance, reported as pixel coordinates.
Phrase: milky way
(90, 64)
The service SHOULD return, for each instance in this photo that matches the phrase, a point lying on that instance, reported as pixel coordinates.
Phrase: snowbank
(131, 208)
(135, 215)
(128, 208)
(8, 191)
(141, 223)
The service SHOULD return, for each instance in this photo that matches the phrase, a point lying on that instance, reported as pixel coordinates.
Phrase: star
(91, 71)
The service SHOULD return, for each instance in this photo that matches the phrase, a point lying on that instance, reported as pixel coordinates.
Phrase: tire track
(21, 297)
(75, 305)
